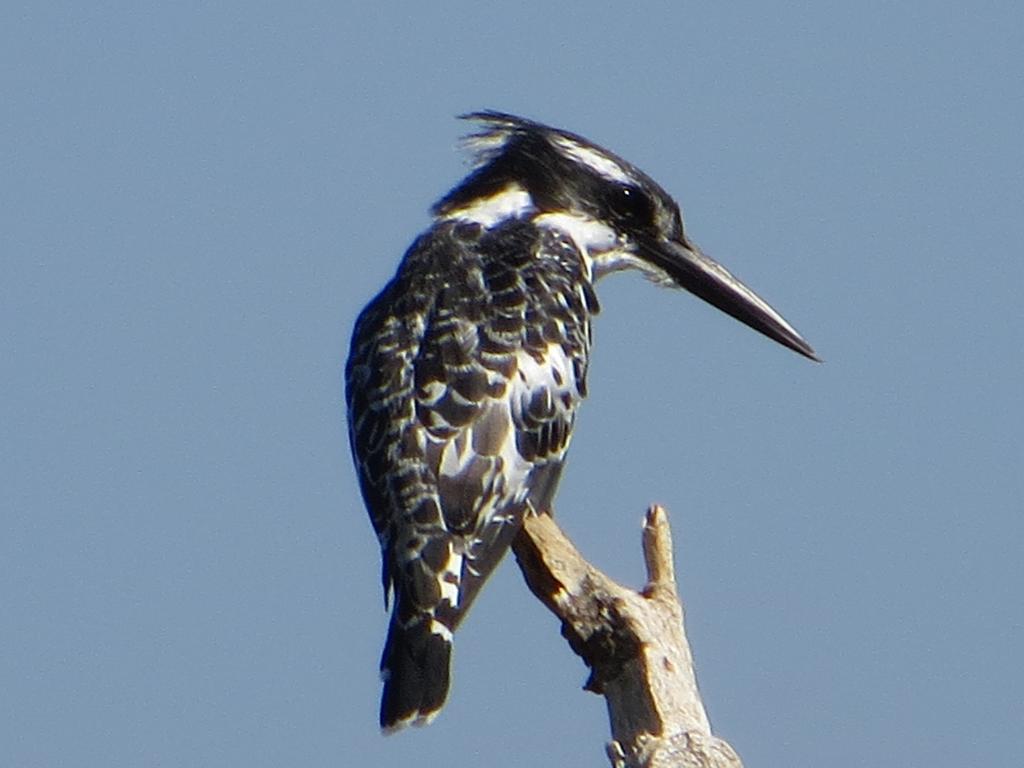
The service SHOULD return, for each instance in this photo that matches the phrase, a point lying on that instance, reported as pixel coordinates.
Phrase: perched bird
(466, 370)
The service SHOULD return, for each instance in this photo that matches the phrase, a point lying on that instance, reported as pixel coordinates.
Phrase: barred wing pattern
(462, 387)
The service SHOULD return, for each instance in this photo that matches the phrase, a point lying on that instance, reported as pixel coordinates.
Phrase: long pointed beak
(709, 280)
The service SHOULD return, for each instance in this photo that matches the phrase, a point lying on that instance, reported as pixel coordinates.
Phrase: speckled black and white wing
(462, 387)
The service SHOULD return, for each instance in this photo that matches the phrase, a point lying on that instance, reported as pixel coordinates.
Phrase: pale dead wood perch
(633, 642)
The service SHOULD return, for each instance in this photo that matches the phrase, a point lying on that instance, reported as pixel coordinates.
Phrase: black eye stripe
(631, 205)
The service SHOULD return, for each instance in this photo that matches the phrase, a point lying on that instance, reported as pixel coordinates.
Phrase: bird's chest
(501, 372)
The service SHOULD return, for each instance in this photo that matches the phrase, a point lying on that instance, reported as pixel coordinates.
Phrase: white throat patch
(590, 235)
(595, 240)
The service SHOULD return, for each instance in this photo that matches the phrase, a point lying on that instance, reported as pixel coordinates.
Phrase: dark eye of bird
(631, 205)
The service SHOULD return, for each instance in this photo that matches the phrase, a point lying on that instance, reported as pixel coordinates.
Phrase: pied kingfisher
(466, 370)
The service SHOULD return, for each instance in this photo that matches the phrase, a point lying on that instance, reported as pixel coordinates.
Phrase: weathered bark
(634, 644)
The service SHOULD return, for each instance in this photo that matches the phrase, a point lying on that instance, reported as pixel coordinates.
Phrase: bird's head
(618, 215)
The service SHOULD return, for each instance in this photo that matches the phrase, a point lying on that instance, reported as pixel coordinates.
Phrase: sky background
(197, 199)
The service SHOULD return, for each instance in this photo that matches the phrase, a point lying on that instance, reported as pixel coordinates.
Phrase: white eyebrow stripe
(600, 163)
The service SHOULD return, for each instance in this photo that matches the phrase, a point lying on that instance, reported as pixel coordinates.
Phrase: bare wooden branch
(633, 642)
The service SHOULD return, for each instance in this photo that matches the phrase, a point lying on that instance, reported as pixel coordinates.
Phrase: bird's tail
(415, 669)
(437, 586)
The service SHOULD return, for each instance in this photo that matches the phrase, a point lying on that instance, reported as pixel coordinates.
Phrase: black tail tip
(415, 669)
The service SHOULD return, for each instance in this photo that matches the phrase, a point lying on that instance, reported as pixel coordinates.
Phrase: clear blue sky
(197, 199)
